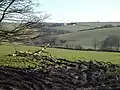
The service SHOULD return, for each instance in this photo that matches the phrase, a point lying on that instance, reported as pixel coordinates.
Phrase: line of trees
(110, 43)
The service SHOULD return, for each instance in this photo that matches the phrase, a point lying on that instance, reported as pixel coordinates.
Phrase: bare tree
(95, 43)
(62, 42)
(49, 39)
(112, 42)
(17, 18)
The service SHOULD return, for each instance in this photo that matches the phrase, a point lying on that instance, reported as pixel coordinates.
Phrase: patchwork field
(84, 25)
(85, 38)
(81, 33)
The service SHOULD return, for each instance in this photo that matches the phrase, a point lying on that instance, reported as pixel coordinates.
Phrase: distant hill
(86, 38)
(72, 27)
(76, 33)
(84, 33)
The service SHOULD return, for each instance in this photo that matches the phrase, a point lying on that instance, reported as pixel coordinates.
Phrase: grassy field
(85, 38)
(68, 54)
(97, 24)
(13, 61)
(72, 28)
(84, 25)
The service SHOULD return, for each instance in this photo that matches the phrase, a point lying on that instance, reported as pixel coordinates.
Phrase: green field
(97, 24)
(85, 38)
(84, 25)
(61, 53)
(6, 49)
(72, 28)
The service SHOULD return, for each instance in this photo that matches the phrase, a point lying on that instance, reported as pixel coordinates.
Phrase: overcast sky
(81, 10)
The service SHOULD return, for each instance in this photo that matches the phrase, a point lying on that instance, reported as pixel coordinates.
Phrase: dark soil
(61, 74)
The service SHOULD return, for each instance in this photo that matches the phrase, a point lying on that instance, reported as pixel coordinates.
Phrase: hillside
(85, 38)
(73, 27)
(95, 24)
(82, 33)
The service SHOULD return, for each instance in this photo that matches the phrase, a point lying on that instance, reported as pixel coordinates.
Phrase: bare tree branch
(6, 10)
(20, 13)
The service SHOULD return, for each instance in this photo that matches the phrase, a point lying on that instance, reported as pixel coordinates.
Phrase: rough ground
(61, 74)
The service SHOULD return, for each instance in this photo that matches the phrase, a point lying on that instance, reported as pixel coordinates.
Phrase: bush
(78, 47)
(108, 26)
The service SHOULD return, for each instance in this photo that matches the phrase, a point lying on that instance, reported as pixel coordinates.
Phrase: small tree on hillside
(95, 43)
(112, 42)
